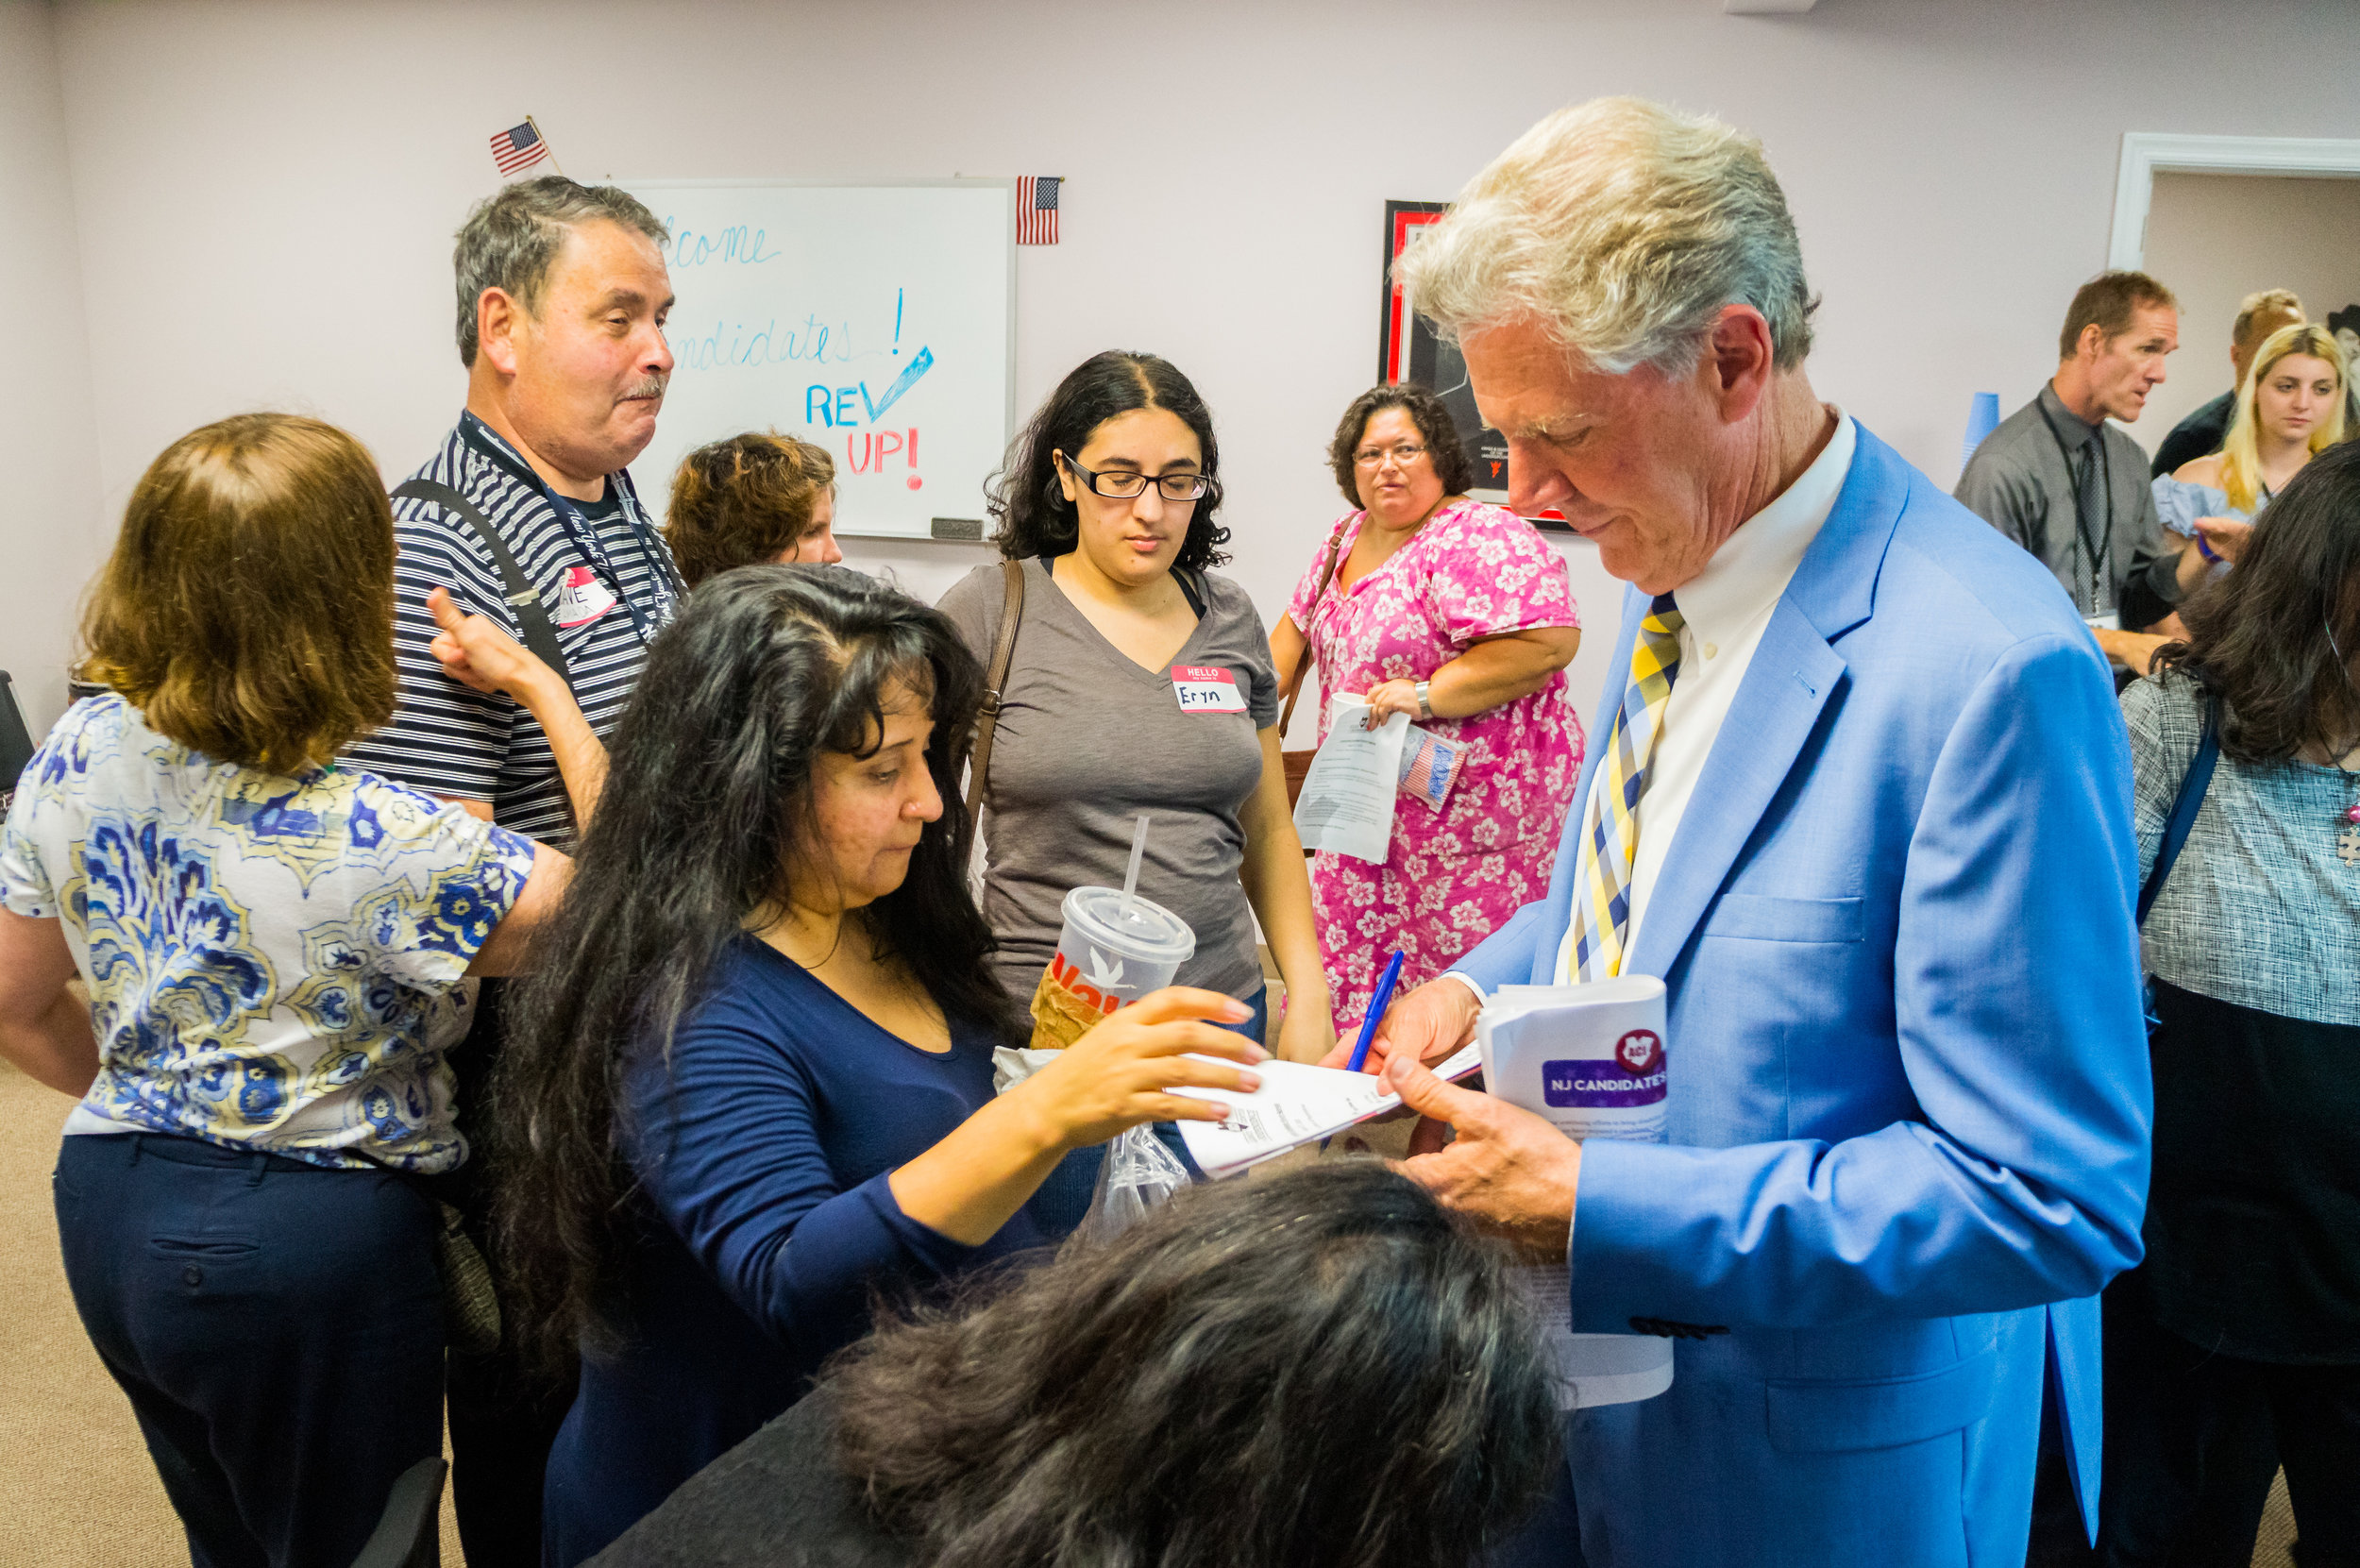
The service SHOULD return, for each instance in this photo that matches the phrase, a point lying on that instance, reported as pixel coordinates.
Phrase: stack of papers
(1296, 1104)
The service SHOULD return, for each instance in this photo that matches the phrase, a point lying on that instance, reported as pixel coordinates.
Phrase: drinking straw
(1138, 850)
(1370, 1020)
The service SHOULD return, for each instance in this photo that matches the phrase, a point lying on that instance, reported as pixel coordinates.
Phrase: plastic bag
(1137, 1174)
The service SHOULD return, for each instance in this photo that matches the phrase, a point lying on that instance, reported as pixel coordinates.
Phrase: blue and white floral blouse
(274, 963)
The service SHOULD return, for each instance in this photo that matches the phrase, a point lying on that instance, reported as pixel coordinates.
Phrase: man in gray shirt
(2057, 479)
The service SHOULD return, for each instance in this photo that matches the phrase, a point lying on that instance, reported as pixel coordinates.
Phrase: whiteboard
(877, 320)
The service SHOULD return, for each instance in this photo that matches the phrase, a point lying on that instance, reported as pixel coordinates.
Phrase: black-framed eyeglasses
(1116, 485)
(1402, 455)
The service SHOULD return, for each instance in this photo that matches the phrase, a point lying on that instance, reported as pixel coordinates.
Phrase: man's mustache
(651, 385)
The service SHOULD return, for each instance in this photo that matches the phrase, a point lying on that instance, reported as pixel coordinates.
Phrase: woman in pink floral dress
(1461, 616)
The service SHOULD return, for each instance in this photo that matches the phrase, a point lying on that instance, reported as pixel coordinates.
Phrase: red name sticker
(1206, 689)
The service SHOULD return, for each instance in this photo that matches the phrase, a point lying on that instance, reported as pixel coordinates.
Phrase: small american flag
(518, 147)
(1037, 209)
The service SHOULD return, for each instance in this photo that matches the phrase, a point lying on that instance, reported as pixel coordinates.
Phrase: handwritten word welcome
(738, 245)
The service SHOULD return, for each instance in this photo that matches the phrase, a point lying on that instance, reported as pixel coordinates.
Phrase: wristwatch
(1426, 703)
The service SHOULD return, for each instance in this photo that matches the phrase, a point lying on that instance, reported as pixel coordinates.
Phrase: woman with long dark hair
(2243, 1321)
(750, 1082)
(1139, 683)
(1325, 1369)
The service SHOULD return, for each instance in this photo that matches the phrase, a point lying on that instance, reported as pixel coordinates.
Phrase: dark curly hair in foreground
(1323, 1370)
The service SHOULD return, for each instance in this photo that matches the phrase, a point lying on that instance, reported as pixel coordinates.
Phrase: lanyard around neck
(2097, 544)
(646, 621)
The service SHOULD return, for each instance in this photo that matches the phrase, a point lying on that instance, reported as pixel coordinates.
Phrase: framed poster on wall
(1408, 349)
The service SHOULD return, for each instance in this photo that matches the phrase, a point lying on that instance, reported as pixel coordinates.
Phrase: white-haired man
(1864, 806)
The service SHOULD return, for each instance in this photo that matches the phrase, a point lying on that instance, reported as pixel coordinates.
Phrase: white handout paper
(1296, 1104)
(1589, 1060)
(1347, 801)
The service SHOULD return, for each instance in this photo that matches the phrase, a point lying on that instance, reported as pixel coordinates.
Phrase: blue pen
(1376, 1011)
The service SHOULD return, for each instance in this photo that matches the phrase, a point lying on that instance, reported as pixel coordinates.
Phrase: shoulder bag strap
(1303, 668)
(532, 617)
(1191, 589)
(995, 682)
(2183, 809)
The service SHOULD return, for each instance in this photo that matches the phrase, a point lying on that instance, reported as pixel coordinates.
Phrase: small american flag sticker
(1037, 209)
(518, 147)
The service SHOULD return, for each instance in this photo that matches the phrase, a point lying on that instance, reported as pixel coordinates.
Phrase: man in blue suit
(1864, 804)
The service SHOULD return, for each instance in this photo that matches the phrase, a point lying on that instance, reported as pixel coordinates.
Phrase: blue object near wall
(1982, 417)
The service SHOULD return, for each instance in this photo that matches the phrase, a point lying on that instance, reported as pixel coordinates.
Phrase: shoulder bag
(2192, 785)
(532, 617)
(1298, 762)
(995, 682)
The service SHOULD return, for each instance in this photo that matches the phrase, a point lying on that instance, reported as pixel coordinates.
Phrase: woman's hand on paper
(1513, 1174)
(1124, 1071)
(1388, 697)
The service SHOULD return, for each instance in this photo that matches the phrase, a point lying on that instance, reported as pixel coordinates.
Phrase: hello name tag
(582, 599)
(1206, 689)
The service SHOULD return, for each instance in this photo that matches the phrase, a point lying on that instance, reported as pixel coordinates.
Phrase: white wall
(2213, 238)
(50, 534)
(265, 191)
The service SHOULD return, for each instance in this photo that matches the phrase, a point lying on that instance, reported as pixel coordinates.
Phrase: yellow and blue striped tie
(1602, 889)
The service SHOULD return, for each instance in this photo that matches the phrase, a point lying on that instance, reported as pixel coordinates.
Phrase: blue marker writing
(901, 383)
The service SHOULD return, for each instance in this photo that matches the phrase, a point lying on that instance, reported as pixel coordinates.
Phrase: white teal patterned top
(274, 963)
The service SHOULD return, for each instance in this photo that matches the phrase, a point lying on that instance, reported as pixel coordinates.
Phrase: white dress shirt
(1724, 609)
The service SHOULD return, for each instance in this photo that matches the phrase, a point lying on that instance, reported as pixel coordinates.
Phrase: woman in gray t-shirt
(1139, 683)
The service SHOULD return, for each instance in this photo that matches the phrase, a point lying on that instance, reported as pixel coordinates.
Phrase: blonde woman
(2289, 406)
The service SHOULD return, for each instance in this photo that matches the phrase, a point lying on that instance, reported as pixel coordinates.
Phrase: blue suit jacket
(1908, 1097)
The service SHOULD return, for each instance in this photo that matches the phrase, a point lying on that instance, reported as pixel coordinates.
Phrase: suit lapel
(1793, 676)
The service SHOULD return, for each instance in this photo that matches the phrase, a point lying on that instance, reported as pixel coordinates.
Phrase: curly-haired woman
(275, 948)
(760, 496)
(1139, 683)
(1459, 614)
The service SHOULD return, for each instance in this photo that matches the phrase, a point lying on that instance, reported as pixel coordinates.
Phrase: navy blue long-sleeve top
(762, 1151)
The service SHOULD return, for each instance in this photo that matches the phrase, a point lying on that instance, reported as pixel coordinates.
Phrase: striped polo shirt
(449, 739)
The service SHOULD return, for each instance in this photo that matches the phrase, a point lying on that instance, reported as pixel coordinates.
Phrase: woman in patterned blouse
(1458, 615)
(276, 953)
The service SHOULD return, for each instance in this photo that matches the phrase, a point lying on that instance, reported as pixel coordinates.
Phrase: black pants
(277, 1326)
(504, 1414)
(2194, 1440)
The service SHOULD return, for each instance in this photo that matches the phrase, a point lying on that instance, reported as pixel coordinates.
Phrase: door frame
(2146, 153)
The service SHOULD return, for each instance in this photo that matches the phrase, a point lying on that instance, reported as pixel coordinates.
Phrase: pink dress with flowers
(1455, 875)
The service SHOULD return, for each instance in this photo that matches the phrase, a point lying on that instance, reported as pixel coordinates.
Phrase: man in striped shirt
(563, 293)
